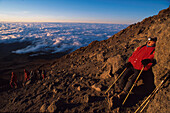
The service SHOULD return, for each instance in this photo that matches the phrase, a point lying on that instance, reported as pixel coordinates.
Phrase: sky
(81, 11)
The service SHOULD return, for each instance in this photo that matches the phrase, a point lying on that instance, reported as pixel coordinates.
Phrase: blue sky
(90, 11)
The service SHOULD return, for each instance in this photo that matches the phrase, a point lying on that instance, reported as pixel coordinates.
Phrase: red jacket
(27, 77)
(140, 54)
(13, 78)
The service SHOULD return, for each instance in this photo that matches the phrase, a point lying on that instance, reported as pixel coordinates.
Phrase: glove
(128, 65)
(146, 62)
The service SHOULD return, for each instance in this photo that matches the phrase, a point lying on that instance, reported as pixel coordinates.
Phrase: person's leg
(11, 84)
(25, 79)
(42, 76)
(15, 84)
(123, 80)
(148, 80)
(131, 81)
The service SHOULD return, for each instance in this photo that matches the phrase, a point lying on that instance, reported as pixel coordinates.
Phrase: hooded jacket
(140, 54)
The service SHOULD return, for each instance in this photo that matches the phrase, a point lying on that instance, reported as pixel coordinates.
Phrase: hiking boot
(122, 95)
(114, 102)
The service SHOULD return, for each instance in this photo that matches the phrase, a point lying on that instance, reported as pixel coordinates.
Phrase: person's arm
(134, 53)
(148, 60)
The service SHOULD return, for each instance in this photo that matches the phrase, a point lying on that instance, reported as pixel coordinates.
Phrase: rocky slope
(77, 82)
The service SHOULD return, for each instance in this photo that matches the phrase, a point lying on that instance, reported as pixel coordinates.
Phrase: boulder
(97, 88)
(111, 66)
(43, 108)
(107, 73)
(85, 98)
(53, 106)
(74, 75)
(100, 57)
(28, 82)
(54, 90)
(116, 62)
(50, 87)
(78, 88)
(57, 80)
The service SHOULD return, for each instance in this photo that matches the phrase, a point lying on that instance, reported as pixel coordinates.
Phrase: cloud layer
(55, 37)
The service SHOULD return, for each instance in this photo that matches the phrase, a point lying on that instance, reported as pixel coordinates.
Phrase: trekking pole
(145, 100)
(115, 80)
(149, 99)
(132, 86)
(145, 105)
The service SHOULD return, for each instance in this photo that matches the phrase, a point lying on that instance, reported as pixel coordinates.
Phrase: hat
(152, 39)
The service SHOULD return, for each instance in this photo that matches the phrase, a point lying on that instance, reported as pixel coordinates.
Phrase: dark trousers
(130, 75)
(128, 78)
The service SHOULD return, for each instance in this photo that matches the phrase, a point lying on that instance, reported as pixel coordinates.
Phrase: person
(13, 80)
(26, 75)
(142, 56)
(32, 77)
(38, 74)
(43, 74)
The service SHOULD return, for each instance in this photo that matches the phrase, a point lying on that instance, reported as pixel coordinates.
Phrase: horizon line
(61, 22)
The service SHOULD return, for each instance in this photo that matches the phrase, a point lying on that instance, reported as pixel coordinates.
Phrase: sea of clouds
(55, 37)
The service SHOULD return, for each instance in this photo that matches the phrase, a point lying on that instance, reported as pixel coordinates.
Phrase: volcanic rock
(52, 107)
(97, 88)
(43, 108)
